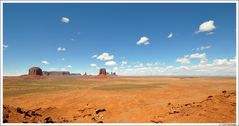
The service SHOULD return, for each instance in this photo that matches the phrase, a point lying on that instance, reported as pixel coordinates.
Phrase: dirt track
(123, 100)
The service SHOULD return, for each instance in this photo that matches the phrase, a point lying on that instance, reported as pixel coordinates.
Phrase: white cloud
(69, 66)
(124, 62)
(5, 46)
(170, 35)
(45, 62)
(207, 26)
(210, 33)
(94, 56)
(93, 65)
(115, 68)
(105, 56)
(138, 65)
(202, 48)
(152, 64)
(186, 59)
(183, 60)
(110, 63)
(143, 40)
(65, 20)
(61, 49)
(202, 57)
(218, 67)
(62, 59)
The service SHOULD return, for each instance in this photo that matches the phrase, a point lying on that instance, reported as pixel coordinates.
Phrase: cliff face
(102, 71)
(56, 73)
(35, 71)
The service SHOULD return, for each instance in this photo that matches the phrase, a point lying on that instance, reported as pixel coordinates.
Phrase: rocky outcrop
(57, 73)
(102, 71)
(76, 74)
(45, 73)
(12, 114)
(218, 108)
(20, 115)
(113, 73)
(35, 71)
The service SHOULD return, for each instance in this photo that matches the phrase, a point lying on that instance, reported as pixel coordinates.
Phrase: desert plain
(74, 99)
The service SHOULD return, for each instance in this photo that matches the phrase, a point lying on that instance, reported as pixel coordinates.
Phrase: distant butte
(102, 71)
(35, 71)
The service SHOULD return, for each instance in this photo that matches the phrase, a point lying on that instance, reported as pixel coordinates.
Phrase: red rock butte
(102, 71)
(35, 71)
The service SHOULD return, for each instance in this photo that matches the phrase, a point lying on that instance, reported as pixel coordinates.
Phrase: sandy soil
(121, 100)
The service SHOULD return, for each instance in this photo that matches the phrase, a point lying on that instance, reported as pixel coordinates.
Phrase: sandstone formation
(12, 114)
(102, 71)
(57, 73)
(35, 71)
(45, 73)
(113, 73)
(75, 74)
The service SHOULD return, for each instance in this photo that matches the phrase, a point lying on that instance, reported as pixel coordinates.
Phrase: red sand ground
(180, 100)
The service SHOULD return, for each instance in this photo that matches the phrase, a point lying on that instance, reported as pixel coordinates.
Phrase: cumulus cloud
(143, 40)
(207, 26)
(218, 67)
(94, 56)
(62, 59)
(45, 62)
(138, 65)
(65, 20)
(202, 57)
(202, 48)
(183, 60)
(186, 59)
(170, 35)
(152, 64)
(93, 65)
(124, 62)
(69, 66)
(105, 56)
(110, 63)
(223, 62)
(5, 46)
(61, 49)
(210, 33)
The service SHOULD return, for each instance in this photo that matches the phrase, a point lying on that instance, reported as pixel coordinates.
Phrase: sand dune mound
(214, 109)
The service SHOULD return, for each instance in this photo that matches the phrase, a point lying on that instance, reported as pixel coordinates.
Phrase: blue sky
(130, 39)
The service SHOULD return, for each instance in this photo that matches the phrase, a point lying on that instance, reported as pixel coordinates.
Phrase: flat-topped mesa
(102, 71)
(57, 73)
(76, 74)
(35, 71)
